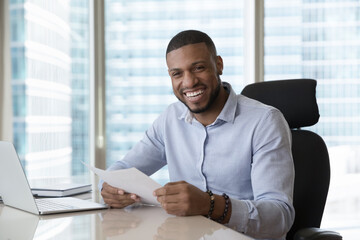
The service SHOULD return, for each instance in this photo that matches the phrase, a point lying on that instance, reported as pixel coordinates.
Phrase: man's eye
(199, 68)
(175, 74)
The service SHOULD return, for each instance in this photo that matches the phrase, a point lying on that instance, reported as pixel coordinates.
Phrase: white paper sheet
(130, 180)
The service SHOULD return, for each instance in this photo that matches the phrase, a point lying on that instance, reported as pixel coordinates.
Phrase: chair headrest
(295, 98)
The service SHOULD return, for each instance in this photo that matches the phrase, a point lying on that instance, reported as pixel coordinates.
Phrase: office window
(138, 87)
(50, 65)
(320, 40)
(50, 83)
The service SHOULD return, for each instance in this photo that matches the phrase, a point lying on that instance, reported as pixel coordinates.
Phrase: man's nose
(189, 80)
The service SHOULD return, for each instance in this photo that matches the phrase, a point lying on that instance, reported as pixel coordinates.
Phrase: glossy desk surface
(141, 222)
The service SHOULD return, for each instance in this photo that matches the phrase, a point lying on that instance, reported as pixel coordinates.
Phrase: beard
(212, 99)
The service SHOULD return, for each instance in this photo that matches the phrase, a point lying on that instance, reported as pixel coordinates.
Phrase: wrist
(211, 203)
(222, 208)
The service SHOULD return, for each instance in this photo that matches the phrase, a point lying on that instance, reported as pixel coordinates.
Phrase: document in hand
(131, 180)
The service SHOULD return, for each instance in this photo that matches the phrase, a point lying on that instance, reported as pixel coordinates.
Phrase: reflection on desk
(131, 223)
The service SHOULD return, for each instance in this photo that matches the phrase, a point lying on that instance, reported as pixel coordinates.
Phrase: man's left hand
(183, 199)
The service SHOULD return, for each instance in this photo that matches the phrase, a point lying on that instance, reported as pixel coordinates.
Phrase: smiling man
(229, 157)
(195, 73)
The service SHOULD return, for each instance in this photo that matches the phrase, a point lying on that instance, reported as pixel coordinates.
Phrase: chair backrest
(296, 99)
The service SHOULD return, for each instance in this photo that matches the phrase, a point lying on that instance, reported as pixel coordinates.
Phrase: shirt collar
(227, 114)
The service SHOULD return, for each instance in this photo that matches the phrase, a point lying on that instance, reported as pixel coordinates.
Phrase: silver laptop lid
(14, 187)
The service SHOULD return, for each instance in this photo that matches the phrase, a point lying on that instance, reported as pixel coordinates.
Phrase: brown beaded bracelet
(227, 204)
(212, 202)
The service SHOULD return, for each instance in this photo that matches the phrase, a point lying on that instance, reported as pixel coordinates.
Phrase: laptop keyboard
(46, 205)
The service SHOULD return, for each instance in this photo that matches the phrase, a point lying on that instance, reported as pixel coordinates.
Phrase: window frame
(97, 88)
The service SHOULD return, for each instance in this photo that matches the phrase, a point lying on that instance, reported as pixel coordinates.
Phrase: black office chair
(296, 99)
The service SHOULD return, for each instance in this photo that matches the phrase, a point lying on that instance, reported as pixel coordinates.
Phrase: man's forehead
(197, 46)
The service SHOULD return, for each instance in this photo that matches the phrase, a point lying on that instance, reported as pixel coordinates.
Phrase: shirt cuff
(239, 215)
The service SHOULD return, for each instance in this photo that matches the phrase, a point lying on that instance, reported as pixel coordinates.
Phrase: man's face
(195, 76)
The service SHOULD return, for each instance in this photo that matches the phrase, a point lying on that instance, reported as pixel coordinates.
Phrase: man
(229, 157)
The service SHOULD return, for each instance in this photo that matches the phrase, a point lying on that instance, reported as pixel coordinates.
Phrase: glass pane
(138, 87)
(50, 82)
(320, 40)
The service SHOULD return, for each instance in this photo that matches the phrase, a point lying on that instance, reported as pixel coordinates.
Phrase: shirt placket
(205, 142)
(200, 162)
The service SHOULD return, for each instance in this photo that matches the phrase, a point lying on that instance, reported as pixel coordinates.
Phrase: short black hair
(191, 37)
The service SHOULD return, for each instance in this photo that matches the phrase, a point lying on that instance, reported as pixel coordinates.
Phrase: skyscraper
(320, 40)
(40, 47)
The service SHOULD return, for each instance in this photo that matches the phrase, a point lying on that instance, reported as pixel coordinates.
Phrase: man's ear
(219, 65)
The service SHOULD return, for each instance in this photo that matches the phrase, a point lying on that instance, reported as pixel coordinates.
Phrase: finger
(162, 190)
(175, 198)
(113, 190)
(111, 198)
(110, 189)
(119, 201)
(135, 197)
(105, 194)
(118, 197)
(118, 204)
(115, 200)
(175, 209)
(168, 189)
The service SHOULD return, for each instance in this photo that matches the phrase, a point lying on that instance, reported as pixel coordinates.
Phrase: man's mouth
(194, 94)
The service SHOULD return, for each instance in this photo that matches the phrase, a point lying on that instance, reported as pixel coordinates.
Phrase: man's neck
(208, 117)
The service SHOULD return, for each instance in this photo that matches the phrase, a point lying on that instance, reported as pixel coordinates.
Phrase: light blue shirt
(245, 152)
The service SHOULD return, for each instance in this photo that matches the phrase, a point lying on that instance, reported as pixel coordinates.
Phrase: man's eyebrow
(197, 62)
(174, 69)
(193, 64)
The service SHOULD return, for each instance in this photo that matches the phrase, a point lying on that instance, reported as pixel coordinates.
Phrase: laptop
(16, 192)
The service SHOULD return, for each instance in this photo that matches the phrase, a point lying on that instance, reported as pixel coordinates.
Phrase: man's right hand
(117, 198)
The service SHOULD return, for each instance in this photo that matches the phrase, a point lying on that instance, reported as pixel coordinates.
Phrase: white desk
(132, 223)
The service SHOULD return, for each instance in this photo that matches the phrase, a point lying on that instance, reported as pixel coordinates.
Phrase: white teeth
(194, 94)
